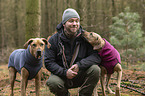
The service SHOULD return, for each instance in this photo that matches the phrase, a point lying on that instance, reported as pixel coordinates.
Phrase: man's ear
(27, 43)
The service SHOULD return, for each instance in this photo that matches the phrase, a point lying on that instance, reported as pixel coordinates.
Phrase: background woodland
(24, 19)
(121, 22)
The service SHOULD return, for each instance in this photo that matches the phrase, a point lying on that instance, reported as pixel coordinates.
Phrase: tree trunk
(33, 18)
(21, 13)
(1, 29)
(88, 15)
(113, 8)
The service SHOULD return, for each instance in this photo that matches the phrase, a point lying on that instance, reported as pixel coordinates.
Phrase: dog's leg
(95, 91)
(38, 83)
(107, 84)
(24, 77)
(12, 74)
(103, 72)
(118, 69)
(103, 84)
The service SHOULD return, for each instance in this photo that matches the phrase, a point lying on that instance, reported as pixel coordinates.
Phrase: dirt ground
(133, 84)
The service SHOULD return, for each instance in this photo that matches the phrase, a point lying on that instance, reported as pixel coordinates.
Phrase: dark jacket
(53, 56)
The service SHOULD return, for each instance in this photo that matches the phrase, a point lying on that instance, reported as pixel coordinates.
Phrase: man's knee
(55, 84)
(92, 78)
(94, 70)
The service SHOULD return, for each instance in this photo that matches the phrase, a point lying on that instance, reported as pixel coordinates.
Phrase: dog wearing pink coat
(111, 61)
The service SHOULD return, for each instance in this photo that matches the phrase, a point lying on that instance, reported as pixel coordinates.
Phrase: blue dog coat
(23, 58)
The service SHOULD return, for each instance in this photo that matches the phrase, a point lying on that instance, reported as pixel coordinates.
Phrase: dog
(28, 63)
(110, 60)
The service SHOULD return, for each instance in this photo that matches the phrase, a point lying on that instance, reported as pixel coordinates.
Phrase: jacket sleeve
(49, 60)
(92, 58)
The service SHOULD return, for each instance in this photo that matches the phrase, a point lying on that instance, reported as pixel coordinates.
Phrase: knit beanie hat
(69, 13)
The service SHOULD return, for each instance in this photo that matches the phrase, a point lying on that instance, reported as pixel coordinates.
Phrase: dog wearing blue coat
(28, 63)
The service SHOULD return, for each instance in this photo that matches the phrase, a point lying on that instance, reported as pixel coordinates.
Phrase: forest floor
(133, 83)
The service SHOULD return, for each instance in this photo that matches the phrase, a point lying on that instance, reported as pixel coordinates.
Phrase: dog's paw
(110, 91)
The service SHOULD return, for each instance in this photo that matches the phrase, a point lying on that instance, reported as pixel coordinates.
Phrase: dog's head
(94, 39)
(37, 46)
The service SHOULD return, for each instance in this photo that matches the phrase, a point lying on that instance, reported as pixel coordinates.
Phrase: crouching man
(71, 59)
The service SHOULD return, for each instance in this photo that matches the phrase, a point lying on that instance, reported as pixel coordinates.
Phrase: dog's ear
(27, 43)
(46, 42)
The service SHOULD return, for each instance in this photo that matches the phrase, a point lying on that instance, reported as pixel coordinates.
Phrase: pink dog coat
(110, 57)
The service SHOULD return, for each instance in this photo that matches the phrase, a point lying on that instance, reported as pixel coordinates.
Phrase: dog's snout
(38, 53)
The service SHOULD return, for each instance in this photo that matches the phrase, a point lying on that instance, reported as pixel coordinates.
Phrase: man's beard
(69, 33)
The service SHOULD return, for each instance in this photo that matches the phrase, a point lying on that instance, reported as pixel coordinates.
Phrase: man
(71, 59)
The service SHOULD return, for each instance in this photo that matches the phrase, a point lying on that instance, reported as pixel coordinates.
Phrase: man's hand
(72, 72)
(75, 68)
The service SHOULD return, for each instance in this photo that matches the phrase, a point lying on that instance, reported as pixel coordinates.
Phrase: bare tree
(33, 18)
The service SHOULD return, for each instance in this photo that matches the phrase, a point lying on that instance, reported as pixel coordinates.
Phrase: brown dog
(28, 63)
(110, 60)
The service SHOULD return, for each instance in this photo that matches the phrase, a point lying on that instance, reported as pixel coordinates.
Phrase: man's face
(72, 25)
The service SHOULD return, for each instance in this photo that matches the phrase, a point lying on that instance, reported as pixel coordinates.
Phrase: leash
(63, 53)
(76, 51)
(63, 56)
(75, 54)
(70, 83)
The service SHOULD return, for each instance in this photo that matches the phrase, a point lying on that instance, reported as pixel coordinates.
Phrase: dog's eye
(34, 45)
(41, 44)
(91, 34)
